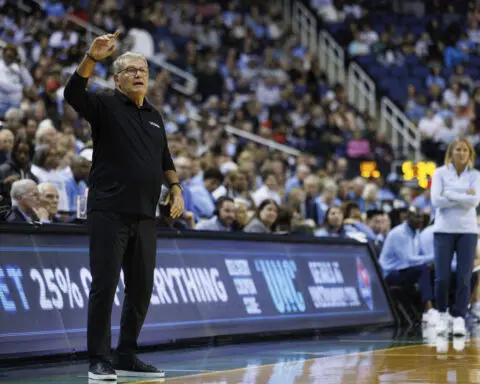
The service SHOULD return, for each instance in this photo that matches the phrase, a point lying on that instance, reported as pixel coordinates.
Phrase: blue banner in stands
(203, 287)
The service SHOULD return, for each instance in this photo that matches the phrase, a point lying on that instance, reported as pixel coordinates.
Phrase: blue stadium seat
(378, 72)
(399, 71)
(421, 71)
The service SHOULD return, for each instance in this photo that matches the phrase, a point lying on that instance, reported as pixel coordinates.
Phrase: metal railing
(304, 25)
(405, 136)
(361, 90)
(286, 7)
(331, 57)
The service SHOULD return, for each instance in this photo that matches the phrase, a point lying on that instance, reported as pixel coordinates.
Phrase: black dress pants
(119, 241)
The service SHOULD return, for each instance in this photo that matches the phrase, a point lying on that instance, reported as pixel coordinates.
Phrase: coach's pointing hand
(103, 46)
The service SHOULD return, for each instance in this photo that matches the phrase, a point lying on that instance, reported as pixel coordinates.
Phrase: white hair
(43, 187)
(330, 185)
(14, 114)
(369, 188)
(44, 126)
(20, 188)
(120, 61)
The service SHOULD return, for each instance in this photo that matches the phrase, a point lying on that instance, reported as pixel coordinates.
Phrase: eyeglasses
(132, 71)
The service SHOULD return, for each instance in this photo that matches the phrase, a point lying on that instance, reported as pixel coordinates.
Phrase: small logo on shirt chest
(154, 124)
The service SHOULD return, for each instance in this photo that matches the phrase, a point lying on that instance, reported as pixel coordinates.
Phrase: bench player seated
(404, 264)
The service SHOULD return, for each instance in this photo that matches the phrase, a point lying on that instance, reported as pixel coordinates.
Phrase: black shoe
(102, 371)
(136, 368)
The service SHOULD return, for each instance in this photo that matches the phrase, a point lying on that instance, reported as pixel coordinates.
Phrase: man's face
(50, 136)
(49, 199)
(9, 56)
(211, 184)
(377, 223)
(6, 140)
(184, 169)
(415, 219)
(241, 182)
(227, 213)
(31, 199)
(81, 169)
(133, 77)
(22, 154)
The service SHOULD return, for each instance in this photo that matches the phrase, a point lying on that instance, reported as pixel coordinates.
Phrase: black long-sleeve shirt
(130, 150)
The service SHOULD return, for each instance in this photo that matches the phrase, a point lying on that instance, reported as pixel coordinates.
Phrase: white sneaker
(443, 324)
(431, 317)
(459, 328)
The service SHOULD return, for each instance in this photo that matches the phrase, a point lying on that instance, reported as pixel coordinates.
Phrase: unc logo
(154, 124)
(364, 284)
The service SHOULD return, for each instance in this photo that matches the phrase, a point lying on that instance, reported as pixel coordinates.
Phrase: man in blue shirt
(76, 182)
(404, 264)
(203, 199)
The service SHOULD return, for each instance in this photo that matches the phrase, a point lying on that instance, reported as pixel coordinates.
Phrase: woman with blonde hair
(455, 196)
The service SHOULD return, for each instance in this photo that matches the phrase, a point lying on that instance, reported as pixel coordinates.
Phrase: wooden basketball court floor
(377, 357)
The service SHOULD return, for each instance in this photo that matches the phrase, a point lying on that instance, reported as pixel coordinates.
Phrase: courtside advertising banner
(202, 287)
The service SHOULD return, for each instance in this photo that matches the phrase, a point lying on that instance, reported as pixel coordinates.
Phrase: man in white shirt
(268, 190)
(455, 96)
(14, 77)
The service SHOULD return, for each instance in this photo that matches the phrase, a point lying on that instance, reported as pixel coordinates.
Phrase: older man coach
(131, 160)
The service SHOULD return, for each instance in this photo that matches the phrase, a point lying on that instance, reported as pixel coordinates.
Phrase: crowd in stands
(252, 73)
(424, 57)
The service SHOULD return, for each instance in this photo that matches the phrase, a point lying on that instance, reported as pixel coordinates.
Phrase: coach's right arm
(87, 103)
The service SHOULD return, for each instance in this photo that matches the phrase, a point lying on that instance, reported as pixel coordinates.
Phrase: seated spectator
(301, 173)
(459, 77)
(265, 218)
(269, 189)
(223, 219)
(17, 167)
(45, 167)
(455, 96)
(353, 220)
(76, 182)
(333, 224)
(25, 201)
(357, 47)
(370, 196)
(436, 78)
(237, 188)
(48, 207)
(377, 223)
(203, 199)
(403, 263)
(241, 213)
(316, 205)
(296, 201)
(356, 195)
(6, 144)
(424, 202)
(13, 78)
(183, 165)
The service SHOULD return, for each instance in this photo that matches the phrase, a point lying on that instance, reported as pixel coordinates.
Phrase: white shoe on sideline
(443, 324)
(475, 310)
(431, 317)
(458, 327)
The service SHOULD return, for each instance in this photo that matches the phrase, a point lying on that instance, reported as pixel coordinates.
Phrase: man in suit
(25, 200)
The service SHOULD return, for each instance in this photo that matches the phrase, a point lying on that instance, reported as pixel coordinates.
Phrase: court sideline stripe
(187, 377)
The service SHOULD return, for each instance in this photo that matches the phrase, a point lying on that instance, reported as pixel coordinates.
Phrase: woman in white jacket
(455, 196)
